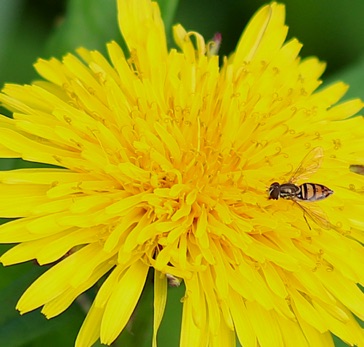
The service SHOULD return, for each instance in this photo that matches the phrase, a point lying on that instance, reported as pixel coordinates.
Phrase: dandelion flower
(162, 161)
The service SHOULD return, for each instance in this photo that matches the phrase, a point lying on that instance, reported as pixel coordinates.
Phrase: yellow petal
(274, 280)
(31, 150)
(28, 250)
(314, 338)
(208, 295)
(243, 326)
(198, 303)
(349, 331)
(191, 335)
(58, 245)
(122, 302)
(143, 30)
(307, 311)
(18, 200)
(90, 329)
(223, 336)
(62, 302)
(265, 325)
(347, 293)
(57, 279)
(263, 36)
(160, 299)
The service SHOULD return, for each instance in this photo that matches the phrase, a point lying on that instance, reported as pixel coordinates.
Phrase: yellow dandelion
(164, 160)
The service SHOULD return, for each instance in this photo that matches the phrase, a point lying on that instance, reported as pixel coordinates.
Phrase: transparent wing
(315, 213)
(309, 165)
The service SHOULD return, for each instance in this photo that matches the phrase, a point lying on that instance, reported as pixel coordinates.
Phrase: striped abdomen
(313, 192)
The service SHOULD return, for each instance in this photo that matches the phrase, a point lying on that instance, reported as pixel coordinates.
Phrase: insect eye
(273, 186)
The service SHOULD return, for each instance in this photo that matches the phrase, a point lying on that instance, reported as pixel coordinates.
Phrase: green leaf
(23, 32)
(88, 23)
(352, 75)
(32, 329)
(170, 329)
(7, 164)
(338, 342)
(168, 10)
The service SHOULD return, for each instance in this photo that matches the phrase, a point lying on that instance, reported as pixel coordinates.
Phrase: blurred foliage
(329, 29)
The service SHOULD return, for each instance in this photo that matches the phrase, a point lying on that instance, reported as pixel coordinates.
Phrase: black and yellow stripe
(313, 192)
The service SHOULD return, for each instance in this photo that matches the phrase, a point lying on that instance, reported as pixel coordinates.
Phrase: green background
(329, 29)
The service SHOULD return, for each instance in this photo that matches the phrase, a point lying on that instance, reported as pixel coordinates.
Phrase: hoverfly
(306, 192)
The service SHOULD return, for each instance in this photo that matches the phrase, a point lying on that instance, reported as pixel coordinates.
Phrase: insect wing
(315, 213)
(309, 165)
